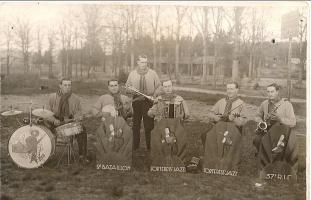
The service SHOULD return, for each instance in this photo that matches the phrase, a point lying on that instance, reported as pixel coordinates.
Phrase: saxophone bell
(262, 126)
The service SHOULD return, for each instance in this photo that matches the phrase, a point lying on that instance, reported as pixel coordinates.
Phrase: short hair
(166, 80)
(111, 80)
(142, 56)
(275, 85)
(64, 79)
(235, 83)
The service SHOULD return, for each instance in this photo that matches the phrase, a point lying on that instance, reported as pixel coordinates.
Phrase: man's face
(113, 87)
(272, 93)
(232, 91)
(142, 63)
(65, 86)
(168, 87)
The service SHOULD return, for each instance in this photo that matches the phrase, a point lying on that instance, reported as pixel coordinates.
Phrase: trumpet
(129, 87)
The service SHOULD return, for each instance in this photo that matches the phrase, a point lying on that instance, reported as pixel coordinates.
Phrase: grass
(90, 183)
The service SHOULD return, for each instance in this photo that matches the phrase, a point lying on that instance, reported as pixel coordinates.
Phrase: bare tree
(154, 21)
(237, 32)
(92, 29)
(200, 20)
(62, 32)
(76, 39)
(253, 33)
(39, 49)
(51, 41)
(23, 28)
(218, 15)
(9, 36)
(180, 11)
(132, 12)
(302, 42)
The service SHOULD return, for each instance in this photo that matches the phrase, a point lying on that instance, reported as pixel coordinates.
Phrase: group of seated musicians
(274, 117)
(168, 111)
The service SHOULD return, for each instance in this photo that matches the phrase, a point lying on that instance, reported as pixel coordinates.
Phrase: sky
(50, 14)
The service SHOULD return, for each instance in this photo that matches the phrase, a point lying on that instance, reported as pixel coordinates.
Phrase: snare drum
(31, 146)
(73, 128)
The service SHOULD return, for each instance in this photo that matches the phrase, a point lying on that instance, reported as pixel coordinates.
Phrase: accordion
(173, 110)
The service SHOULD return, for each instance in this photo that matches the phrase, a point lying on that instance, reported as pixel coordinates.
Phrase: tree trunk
(155, 57)
(214, 64)
(250, 65)
(204, 65)
(132, 52)
(177, 75)
(104, 62)
(237, 32)
(8, 64)
(160, 59)
(205, 50)
(301, 64)
(50, 65)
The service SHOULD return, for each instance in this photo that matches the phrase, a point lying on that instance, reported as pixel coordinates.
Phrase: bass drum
(31, 146)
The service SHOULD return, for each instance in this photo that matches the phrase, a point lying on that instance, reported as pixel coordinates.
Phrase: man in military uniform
(279, 112)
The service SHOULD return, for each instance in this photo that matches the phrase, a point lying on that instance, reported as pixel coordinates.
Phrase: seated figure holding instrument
(169, 138)
(274, 140)
(221, 140)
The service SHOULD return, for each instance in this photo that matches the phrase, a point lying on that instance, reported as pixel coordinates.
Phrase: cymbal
(44, 113)
(11, 112)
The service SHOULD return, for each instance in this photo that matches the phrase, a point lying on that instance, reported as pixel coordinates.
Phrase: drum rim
(52, 148)
(69, 123)
(59, 128)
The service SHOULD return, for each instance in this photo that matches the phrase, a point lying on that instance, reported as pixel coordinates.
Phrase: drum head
(31, 146)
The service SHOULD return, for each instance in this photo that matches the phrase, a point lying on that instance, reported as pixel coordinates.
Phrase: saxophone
(262, 126)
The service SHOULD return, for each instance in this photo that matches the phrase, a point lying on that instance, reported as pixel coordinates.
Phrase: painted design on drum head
(30, 146)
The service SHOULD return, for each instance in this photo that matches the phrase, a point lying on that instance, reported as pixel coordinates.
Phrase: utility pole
(289, 29)
(289, 80)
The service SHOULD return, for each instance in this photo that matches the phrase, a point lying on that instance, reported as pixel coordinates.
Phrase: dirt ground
(86, 182)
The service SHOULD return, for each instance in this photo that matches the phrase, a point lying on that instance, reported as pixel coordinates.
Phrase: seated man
(66, 107)
(222, 151)
(229, 109)
(168, 138)
(121, 102)
(114, 136)
(274, 140)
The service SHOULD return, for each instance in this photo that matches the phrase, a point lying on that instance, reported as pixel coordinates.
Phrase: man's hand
(156, 100)
(231, 117)
(224, 118)
(275, 117)
(79, 118)
(216, 118)
(178, 99)
(56, 122)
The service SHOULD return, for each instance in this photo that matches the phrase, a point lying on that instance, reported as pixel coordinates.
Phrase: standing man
(121, 102)
(230, 108)
(146, 81)
(66, 107)
(279, 143)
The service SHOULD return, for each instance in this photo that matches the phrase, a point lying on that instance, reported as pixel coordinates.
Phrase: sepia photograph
(164, 100)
